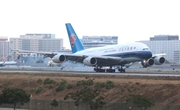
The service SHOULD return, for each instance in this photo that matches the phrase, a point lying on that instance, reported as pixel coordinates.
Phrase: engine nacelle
(159, 60)
(147, 63)
(59, 58)
(90, 61)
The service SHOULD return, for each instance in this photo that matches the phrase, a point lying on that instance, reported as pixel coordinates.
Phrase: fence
(69, 105)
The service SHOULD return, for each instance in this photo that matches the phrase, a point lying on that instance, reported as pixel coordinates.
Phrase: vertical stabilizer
(75, 43)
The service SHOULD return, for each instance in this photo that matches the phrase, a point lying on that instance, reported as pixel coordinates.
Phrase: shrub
(141, 101)
(60, 88)
(49, 81)
(54, 103)
(109, 84)
(87, 82)
(63, 82)
(100, 85)
(38, 89)
(61, 85)
(79, 83)
(69, 86)
(39, 80)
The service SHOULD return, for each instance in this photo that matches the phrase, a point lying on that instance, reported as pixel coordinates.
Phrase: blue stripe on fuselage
(144, 54)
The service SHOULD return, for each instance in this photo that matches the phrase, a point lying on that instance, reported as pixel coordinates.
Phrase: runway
(84, 71)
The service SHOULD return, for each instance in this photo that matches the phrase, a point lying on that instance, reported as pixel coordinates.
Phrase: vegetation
(90, 94)
(54, 103)
(100, 85)
(61, 85)
(140, 101)
(69, 86)
(38, 89)
(14, 96)
(109, 84)
(39, 80)
(49, 81)
(87, 82)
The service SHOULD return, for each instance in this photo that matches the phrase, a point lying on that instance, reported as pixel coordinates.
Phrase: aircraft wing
(100, 59)
(46, 54)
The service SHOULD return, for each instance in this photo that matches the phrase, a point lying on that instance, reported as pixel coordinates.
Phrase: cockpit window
(145, 49)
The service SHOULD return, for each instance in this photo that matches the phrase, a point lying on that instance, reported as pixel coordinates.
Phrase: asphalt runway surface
(83, 70)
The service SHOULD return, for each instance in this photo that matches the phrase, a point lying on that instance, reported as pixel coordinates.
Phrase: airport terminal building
(4, 48)
(169, 44)
(37, 42)
(98, 41)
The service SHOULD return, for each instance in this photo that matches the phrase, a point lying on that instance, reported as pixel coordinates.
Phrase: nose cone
(146, 54)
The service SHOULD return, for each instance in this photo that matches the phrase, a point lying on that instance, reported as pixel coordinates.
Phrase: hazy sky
(131, 20)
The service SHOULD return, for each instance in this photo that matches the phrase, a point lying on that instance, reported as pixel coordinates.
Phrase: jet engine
(147, 63)
(159, 60)
(90, 61)
(59, 58)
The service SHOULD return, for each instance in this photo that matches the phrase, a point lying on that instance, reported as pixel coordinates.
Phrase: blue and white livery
(112, 55)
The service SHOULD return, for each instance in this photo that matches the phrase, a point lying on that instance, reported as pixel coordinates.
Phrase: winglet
(75, 43)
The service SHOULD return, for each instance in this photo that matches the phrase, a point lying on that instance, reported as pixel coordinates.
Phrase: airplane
(4, 63)
(112, 55)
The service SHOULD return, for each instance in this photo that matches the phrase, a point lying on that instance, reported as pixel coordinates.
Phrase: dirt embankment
(164, 90)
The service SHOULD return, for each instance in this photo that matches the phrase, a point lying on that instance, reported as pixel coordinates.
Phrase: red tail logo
(72, 39)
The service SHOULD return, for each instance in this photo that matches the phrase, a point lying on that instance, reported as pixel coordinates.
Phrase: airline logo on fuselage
(72, 39)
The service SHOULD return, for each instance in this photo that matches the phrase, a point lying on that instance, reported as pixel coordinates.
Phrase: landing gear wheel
(121, 70)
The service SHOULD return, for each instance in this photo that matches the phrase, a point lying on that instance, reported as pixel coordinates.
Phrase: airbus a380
(113, 55)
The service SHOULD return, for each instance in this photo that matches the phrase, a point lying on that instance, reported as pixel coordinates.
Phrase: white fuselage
(130, 52)
(112, 49)
(109, 55)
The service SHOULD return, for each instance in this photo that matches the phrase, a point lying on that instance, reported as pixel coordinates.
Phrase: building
(37, 42)
(98, 41)
(4, 48)
(164, 37)
(40, 35)
(169, 44)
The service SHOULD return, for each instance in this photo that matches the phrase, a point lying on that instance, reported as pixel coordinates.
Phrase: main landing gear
(121, 70)
(109, 70)
(100, 69)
